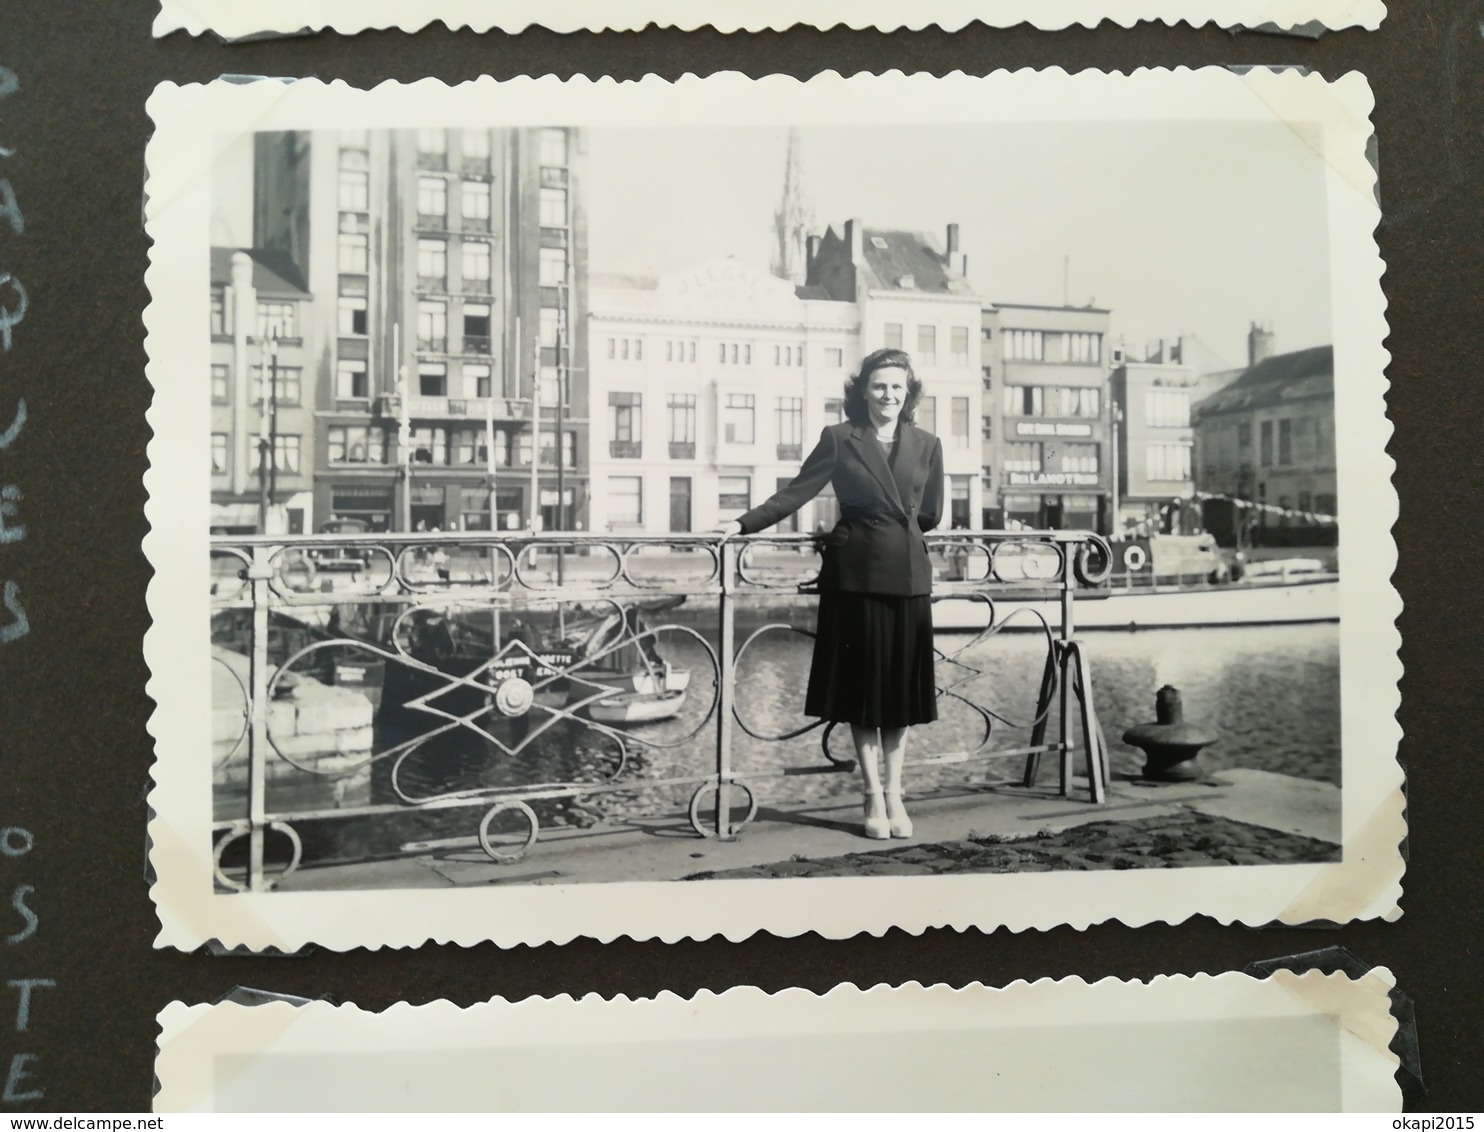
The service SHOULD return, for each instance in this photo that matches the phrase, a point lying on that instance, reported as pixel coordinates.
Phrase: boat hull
(1175, 607)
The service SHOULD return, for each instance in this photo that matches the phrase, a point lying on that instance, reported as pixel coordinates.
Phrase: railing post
(1065, 660)
(726, 649)
(257, 751)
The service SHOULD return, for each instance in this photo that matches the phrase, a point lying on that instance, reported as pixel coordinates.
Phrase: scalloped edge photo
(190, 123)
(1202, 1043)
(301, 17)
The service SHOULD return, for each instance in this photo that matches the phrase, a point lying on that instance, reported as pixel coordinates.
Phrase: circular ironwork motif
(514, 696)
(709, 830)
(508, 854)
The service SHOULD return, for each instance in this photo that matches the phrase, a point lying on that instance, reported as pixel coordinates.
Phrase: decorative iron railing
(357, 676)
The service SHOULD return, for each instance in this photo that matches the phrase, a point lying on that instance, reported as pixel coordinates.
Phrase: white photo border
(191, 120)
(1338, 1031)
(232, 20)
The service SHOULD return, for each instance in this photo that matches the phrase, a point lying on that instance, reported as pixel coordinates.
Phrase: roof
(274, 272)
(806, 291)
(610, 280)
(1301, 375)
(1051, 307)
(892, 256)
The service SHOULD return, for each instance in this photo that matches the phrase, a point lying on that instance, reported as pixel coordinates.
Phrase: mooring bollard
(1170, 745)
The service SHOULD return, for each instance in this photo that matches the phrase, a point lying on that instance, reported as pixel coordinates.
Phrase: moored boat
(630, 708)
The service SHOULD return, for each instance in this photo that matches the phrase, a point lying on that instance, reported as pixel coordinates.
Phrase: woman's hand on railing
(728, 529)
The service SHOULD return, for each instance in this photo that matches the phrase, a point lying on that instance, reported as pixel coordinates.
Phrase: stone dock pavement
(1236, 816)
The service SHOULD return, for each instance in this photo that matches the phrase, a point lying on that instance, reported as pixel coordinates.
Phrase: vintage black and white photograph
(666, 509)
(294, 17)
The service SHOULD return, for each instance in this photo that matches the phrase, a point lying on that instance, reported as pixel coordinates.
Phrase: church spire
(792, 220)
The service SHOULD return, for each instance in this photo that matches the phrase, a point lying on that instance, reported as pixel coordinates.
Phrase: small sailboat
(626, 709)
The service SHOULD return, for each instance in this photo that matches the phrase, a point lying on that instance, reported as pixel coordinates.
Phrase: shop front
(1057, 501)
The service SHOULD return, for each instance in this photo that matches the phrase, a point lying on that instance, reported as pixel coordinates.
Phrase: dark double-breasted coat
(877, 547)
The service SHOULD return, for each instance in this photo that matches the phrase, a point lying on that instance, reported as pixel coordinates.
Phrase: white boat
(627, 708)
(1267, 599)
(649, 681)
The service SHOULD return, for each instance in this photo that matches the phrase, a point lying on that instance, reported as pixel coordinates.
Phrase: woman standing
(873, 653)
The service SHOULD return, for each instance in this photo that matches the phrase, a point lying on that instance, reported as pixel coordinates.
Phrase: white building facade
(710, 385)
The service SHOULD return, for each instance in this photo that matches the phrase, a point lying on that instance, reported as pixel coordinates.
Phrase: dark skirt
(873, 660)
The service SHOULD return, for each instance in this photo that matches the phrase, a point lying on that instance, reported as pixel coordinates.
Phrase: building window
(470, 447)
(477, 329)
(960, 422)
(625, 501)
(891, 335)
(927, 414)
(553, 267)
(430, 446)
(1024, 345)
(987, 424)
(736, 353)
(355, 444)
(286, 453)
(432, 379)
(287, 382)
(626, 349)
(1244, 435)
(218, 453)
(1167, 462)
(959, 489)
(625, 425)
(1079, 458)
(432, 326)
(834, 357)
(553, 208)
(474, 267)
(681, 408)
(1022, 457)
(355, 190)
(788, 355)
(277, 320)
(790, 421)
(834, 410)
(1025, 401)
(476, 147)
(432, 149)
(553, 147)
(432, 265)
(1075, 401)
(733, 496)
(1285, 442)
(474, 205)
(476, 378)
(1075, 347)
(1168, 408)
(221, 375)
(352, 317)
(927, 345)
(680, 352)
(1265, 444)
(548, 387)
(350, 380)
(221, 325)
(432, 201)
(738, 418)
(959, 345)
(353, 254)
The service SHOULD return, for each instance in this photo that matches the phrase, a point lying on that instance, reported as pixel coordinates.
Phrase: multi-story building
(716, 380)
(1269, 437)
(447, 268)
(262, 410)
(1046, 449)
(1151, 412)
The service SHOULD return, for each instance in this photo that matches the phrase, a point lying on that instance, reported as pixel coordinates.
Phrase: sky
(1198, 228)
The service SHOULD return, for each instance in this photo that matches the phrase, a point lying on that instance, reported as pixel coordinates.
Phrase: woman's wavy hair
(856, 411)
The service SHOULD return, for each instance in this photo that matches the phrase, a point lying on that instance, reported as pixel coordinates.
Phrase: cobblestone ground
(1166, 842)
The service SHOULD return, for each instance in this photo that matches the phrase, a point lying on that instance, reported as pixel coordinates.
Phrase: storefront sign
(1052, 479)
(1040, 428)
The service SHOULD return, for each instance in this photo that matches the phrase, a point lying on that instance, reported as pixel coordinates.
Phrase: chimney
(811, 253)
(855, 238)
(952, 239)
(958, 262)
(1259, 344)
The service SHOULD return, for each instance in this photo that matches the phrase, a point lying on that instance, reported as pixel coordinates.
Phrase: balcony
(553, 237)
(625, 449)
(476, 286)
(434, 221)
(474, 224)
(475, 166)
(682, 450)
(549, 580)
(790, 451)
(477, 344)
(438, 283)
(463, 408)
(432, 345)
